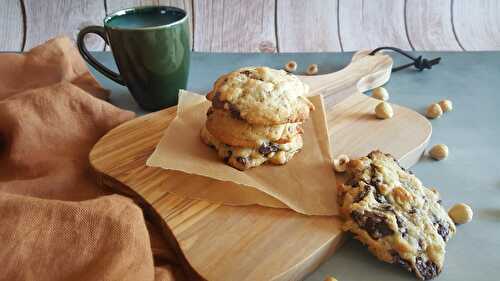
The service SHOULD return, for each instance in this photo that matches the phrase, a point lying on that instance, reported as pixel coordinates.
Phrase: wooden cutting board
(256, 243)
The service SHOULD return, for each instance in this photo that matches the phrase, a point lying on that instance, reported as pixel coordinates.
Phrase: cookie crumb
(340, 163)
(312, 69)
(439, 151)
(461, 213)
(446, 105)
(291, 66)
(434, 111)
(384, 111)
(380, 93)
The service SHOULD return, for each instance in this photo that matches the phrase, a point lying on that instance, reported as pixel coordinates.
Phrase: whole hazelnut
(384, 111)
(446, 105)
(312, 69)
(291, 66)
(434, 111)
(380, 93)
(340, 163)
(461, 213)
(439, 151)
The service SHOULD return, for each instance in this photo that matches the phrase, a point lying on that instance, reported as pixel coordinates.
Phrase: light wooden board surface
(277, 25)
(247, 243)
(256, 243)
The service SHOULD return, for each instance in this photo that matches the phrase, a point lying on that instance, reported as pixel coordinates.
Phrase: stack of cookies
(256, 117)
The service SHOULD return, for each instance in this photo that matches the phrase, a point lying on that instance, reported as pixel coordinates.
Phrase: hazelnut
(446, 105)
(380, 93)
(439, 151)
(340, 163)
(312, 69)
(434, 111)
(356, 164)
(291, 66)
(384, 110)
(460, 213)
(330, 278)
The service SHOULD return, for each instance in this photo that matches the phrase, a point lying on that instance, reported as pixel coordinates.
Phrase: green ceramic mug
(151, 48)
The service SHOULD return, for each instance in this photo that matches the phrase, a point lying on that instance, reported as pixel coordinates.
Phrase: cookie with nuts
(262, 96)
(401, 221)
(243, 158)
(236, 132)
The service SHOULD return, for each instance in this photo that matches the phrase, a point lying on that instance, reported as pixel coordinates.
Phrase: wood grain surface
(298, 25)
(46, 19)
(11, 26)
(372, 24)
(477, 24)
(238, 25)
(277, 25)
(248, 242)
(223, 242)
(429, 25)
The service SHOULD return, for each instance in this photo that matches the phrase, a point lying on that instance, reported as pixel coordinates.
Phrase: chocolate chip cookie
(243, 158)
(401, 221)
(236, 132)
(262, 96)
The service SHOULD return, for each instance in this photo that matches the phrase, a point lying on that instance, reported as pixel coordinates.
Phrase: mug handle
(99, 30)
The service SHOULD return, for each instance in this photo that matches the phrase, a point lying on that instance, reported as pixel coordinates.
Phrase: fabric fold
(57, 223)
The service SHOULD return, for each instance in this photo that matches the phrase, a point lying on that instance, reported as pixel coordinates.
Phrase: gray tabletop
(471, 174)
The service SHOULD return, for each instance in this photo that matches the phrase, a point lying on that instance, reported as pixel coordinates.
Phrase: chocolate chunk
(210, 111)
(376, 181)
(242, 160)
(226, 158)
(373, 223)
(361, 195)
(250, 74)
(421, 244)
(216, 102)
(442, 230)
(401, 226)
(427, 270)
(268, 148)
(385, 208)
(352, 182)
(235, 112)
(380, 198)
(412, 211)
(397, 259)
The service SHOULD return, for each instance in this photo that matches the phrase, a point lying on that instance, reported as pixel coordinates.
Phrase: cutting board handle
(364, 73)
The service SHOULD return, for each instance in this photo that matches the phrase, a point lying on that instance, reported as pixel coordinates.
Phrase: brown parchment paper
(306, 184)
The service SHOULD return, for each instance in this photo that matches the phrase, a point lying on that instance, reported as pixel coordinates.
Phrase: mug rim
(122, 12)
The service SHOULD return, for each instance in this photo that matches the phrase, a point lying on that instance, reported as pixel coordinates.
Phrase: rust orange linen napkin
(55, 222)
